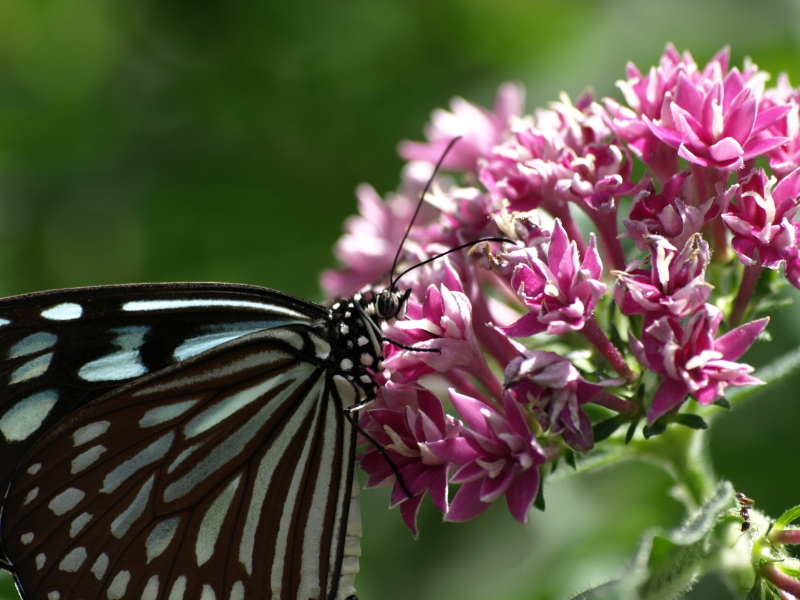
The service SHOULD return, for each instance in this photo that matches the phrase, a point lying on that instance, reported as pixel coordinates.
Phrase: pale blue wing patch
(67, 311)
(125, 363)
(31, 369)
(221, 333)
(27, 415)
(36, 342)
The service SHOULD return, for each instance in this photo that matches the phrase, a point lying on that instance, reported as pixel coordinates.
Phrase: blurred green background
(214, 140)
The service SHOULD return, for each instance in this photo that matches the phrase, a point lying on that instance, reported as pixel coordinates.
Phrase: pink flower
(560, 293)
(371, 239)
(716, 123)
(444, 322)
(646, 95)
(674, 285)
(480, 130)
(784, 158)
(405, 421)
(556, 392)
(691, 361)
(499, 455)
(760, 219)
(675, 213)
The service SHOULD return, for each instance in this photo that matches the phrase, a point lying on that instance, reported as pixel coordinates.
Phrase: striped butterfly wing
(228, 474)
(59, 350)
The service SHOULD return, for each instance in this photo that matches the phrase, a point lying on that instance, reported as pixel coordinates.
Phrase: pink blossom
(500, 456)
(560, 293)
(675, 213)
(691, 361)
(405, 421)
(443, 322)
(556, 392)
(674, 285)
(760, 219)
(479, 129)
(371, 239)
(785, 158)
(715, 123)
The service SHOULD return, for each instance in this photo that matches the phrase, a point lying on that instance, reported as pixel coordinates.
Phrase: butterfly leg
(348, 413)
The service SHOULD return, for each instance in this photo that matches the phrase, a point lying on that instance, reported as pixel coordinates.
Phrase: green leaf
(787, 517)
(691, 421)
(605, 429)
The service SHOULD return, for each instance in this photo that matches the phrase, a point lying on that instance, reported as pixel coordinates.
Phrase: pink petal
(788, 187)
(527, 326)
(466, 503)
(409, 511)
(725, 150)
(736, 342)
(670, 394)
(456, 451)
(522, 493)
(471, 411)
(739, 123)
(769, 116)
(757, 147)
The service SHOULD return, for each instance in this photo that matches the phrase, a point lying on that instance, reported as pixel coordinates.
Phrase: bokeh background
(221, 141)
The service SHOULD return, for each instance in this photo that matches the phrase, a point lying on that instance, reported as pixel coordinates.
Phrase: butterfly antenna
(419, 206)
(450, 251)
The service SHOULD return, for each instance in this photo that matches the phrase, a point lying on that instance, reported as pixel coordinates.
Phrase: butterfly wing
(226, 475)
(59, 350)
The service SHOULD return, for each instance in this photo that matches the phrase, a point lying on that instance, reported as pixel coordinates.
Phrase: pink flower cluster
(510, 352)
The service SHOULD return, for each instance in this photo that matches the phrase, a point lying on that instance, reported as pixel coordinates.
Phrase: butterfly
(183, 441)
(186, 440)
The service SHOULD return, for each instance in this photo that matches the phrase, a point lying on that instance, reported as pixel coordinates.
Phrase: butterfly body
(182, 441)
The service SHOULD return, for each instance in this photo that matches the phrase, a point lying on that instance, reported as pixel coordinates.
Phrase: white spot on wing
(153, 453)
(150, 591)
(54, 595)
(178, 588)
(208, 593)
(36, 342)
(66, 501)
(31, 369)
(40, 560)
(162, 414)
(160, 538)
(139, 305)
(73, 560)
(100, 565)
(27, 415)
(31, 496)
(26, 538)
(212, 521)
(34, 468)
(118, 586)
(85, 459)
(79, 523)
(237, 591)
(121, 525)
(63, 312)
(123, 364)
(89, 432)
(4, 322)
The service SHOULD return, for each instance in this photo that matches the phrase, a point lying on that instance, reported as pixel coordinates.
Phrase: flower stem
(592, 332)
(746, 289)
(615, 403)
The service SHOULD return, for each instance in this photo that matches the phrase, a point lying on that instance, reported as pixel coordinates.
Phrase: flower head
(674, 285)
(499, 456)
(761, 219)
(556, 392)
(479, 129)
(692, 360)
(561, 292)
(405, 421)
